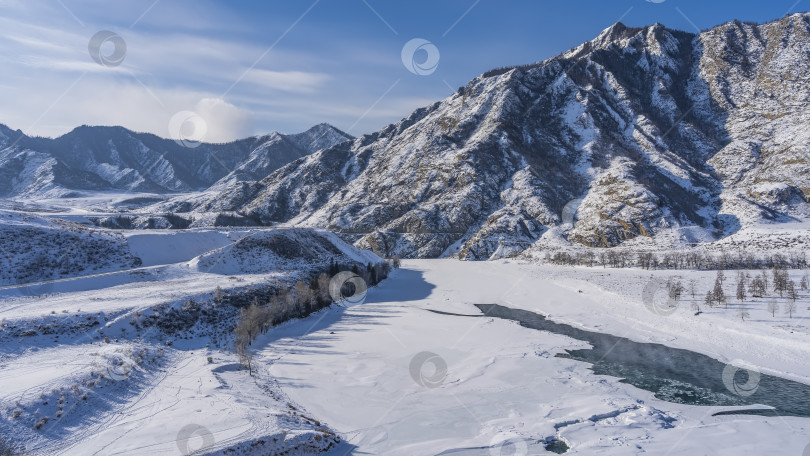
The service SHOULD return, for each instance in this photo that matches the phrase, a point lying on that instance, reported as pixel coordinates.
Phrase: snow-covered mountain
(635, 132)
(114, 158)
(278, 149)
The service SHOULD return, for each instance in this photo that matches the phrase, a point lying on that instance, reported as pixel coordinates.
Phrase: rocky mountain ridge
(116, 159)
(637, 131)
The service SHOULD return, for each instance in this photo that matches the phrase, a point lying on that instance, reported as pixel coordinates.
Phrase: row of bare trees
(300, 300)
(687, 259)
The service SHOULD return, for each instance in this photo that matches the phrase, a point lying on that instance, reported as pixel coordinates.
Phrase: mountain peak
(323, 127)
(659, 132)
(613, 35)
(319, 137)
(616, 32)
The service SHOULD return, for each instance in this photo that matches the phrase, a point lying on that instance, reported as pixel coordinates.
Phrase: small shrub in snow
(41, 422)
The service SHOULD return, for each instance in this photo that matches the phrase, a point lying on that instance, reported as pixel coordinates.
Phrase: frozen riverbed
(395, 378)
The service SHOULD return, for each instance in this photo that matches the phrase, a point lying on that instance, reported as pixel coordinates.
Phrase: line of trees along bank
(690, 259)
(297, 301)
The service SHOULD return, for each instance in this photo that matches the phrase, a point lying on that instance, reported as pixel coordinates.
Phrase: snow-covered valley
(396, 373)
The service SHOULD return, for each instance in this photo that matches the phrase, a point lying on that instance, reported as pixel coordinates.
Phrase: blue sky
(251, 67)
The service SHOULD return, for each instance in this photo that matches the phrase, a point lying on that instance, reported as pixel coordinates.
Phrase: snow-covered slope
(114, 158)
(647, 129)
(33, 249)
(301, 250)
(138, 360)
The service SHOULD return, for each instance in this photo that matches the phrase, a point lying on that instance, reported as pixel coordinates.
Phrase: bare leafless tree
(742, 311)
(303, 297)
(773, 306)
(792, 296)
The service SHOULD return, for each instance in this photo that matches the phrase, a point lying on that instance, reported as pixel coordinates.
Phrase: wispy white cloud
(287, 81)
(27, 41)
(75, 66)
(184, 55)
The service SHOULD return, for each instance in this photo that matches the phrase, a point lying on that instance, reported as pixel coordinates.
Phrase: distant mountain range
(637, 132)
(114, 158)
